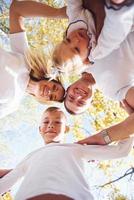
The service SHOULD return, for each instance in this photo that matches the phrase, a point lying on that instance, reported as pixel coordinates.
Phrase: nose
(50, 125)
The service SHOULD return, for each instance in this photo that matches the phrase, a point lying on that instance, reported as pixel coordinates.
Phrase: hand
(96, 139)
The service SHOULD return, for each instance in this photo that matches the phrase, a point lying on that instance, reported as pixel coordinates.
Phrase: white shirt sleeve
(18, 42)
(117, 25)
(12, 177)
(106, 152)
(74, 8)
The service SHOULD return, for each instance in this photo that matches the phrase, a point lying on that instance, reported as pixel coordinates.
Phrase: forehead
(53, 115)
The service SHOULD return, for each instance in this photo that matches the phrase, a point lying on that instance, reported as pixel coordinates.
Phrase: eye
(58, 122)
(45, 122)
(71, 98)
(77, 49)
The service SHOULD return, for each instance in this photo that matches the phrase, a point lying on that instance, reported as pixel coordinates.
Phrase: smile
(45, 91)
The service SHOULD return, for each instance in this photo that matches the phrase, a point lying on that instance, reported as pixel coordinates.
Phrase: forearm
(8, 181)
(117, 132)
(37, 9)
(122, 130)
(24, 9)
(106, 152)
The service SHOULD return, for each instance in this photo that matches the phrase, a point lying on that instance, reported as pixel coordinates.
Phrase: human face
(76, 43)
(48, 91)
(78, 96)
(53, 126)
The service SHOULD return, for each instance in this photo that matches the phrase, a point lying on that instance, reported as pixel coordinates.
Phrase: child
(80, 37)
(56, 171)
(24, 69)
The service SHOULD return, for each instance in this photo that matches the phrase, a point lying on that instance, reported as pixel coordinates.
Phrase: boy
(56, 171)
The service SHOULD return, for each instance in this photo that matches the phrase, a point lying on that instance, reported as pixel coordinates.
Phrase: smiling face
(49, 91)
(79, 94)
(75, 45)
(53, 126)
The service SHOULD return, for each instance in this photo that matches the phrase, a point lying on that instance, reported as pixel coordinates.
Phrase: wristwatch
(105, 136)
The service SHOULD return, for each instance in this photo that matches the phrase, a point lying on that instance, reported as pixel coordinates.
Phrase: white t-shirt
(117, 25)
(14, 74)
(114, 74)
(59, 169)
(80, 17)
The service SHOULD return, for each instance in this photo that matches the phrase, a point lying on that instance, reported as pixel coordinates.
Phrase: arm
(11, 178)
(3, 172)
(97, 8)
(117, 132)
(74, 8)
(122, 149)
(117, 25)
(23, 9)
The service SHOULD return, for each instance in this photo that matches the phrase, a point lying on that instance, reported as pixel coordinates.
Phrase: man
(79, 94)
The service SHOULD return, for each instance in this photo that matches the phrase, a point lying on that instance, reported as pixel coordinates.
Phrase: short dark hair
(53, 108)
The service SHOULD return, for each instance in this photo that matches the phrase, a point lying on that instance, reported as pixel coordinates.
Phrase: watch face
(106, 137)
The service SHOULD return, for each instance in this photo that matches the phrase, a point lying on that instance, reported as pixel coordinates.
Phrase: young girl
(24, 69)
(56, 171)
(80, 39)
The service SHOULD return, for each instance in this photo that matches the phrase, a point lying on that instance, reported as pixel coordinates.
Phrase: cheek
(43, 128)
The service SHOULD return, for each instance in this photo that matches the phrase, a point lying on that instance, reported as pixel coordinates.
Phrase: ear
(40, 129)
(67, 129)
(86, 61)
(92, 80)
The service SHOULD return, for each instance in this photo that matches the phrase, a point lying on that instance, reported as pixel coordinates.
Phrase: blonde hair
(38, 62)
(73, 64)
(40, 65)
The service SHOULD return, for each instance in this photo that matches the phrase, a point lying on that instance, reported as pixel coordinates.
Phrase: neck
(50, 142)
(31, 87)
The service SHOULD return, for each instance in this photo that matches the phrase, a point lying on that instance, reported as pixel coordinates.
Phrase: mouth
(44, 91)
(50, 133)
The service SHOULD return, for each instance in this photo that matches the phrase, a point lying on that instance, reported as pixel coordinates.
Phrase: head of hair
(73, 64)
(38, 62)
(53, 109)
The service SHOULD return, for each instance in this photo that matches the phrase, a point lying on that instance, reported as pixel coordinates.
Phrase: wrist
(104, 136)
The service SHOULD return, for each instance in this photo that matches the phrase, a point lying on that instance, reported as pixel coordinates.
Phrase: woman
(24, 69)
